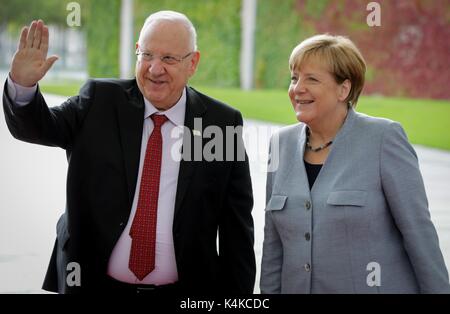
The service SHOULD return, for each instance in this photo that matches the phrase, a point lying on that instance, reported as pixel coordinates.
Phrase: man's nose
(156, 67)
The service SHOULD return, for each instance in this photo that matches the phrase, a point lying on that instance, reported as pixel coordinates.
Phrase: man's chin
(157, 102)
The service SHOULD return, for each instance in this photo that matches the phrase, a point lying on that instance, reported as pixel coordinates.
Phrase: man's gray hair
(172, 16)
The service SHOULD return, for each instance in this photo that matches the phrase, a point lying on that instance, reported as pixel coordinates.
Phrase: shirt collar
(175, 114)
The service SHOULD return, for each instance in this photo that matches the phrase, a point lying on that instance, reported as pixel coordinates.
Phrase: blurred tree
(218, 27)
(103, 35)
(278, 30)
(408, 55)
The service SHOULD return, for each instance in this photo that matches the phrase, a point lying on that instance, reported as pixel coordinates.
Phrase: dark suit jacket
(101, 131)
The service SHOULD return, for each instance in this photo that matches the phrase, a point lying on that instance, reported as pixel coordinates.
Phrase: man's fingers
(23, 38)
(38, 35)
(44, 41)
(49, 63)
(30, 35)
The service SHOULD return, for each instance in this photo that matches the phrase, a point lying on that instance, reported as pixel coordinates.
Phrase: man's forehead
(170, 33)
(164, 26)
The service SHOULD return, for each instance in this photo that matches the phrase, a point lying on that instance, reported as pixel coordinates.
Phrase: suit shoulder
(372, 124)
(210, 102)
(289, 132)
(110, 82)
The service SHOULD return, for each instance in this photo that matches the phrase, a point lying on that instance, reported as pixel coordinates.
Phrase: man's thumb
(49, 63)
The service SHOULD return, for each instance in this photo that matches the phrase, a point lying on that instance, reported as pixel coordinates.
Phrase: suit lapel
(131, 120)
(194, 109)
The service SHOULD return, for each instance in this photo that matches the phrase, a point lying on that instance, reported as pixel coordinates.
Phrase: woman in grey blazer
(346, 207)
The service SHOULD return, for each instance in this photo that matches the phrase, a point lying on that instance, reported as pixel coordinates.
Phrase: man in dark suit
(152, 206)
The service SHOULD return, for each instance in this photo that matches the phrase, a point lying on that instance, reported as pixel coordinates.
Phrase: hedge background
(407, 56)
(218, 35)
(103, 33)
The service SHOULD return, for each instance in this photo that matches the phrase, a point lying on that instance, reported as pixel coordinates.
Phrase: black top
(312, 171)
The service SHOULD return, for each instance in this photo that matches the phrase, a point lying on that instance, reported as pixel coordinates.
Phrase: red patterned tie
(143, 229)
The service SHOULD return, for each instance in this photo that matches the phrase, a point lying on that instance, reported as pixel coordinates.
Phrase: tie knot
(158, 120)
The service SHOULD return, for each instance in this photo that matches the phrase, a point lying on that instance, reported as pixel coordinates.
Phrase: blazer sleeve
(272, 258)
(37, 123)
(236, 231)
(405, 193)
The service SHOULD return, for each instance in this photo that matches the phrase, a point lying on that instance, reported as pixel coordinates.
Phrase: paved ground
(32, 196)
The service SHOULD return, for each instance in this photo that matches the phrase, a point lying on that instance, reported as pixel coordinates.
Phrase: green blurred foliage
(278, 31)
(103, 36)
(403, 55)
(218, 35)
(316, 7)
(16, 13)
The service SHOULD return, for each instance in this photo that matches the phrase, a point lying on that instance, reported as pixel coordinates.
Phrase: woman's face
(314, 93)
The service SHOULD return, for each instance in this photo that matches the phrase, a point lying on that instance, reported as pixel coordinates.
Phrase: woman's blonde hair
(340, 55)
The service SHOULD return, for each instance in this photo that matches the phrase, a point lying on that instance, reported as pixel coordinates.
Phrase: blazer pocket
(62, 234)
(347, 198)
(276, 202)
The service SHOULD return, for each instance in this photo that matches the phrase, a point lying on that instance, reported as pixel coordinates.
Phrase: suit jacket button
(121, 224)
(308, 205)
(307, 236)
(307, 267)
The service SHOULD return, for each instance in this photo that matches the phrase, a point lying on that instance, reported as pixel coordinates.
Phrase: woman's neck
(326, 129)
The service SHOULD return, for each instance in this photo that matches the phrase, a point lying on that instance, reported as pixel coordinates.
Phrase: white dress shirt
(165, 271)
(20, 95)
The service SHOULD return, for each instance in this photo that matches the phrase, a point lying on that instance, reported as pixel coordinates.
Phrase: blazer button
(308, 205)
(307, 267)
(307, 236)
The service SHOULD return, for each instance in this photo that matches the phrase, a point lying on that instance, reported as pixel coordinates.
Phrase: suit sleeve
(405, 193)
(37, 123)
(272, 257)
(236, 231)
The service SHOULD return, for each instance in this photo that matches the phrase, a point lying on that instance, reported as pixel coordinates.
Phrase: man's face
(161, 83)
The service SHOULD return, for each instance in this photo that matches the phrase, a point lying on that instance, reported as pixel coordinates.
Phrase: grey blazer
(363, 228)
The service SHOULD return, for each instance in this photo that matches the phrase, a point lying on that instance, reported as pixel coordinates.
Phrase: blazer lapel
(194, 109)
(293, 159)
(300, 153)
(131, 121)
(339, 150)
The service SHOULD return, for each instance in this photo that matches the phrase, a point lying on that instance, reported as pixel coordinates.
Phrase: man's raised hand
(30, 62)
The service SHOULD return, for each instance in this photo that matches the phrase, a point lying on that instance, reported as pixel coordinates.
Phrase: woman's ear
(344, 90)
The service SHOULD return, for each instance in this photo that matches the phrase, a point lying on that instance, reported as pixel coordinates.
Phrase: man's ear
(137, 45)
(194, 62)
(344, 90)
